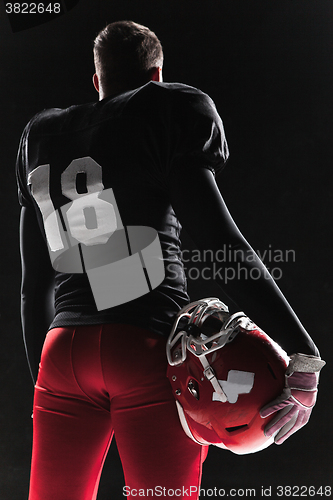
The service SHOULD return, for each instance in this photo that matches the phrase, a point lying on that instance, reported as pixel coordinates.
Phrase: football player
(104, 189)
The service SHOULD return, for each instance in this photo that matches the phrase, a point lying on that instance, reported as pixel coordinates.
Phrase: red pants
(98, 381)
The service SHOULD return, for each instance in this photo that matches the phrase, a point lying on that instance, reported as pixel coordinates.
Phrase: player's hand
(299, 396)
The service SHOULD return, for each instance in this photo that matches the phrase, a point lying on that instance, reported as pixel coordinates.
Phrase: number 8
(80, 218)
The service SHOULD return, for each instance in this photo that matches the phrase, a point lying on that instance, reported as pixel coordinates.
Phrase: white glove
(299, 396)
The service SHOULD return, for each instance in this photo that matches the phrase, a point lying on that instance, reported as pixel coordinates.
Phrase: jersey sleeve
(197, 133)
(21, 177)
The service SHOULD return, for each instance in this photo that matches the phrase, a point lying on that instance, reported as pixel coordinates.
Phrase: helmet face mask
(223, 369)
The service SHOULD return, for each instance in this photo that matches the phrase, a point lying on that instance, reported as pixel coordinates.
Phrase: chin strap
(210, 375)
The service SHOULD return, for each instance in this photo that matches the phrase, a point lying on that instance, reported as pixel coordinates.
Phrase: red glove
(295, 404)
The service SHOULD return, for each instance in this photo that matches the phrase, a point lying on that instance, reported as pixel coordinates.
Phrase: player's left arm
(37, 288)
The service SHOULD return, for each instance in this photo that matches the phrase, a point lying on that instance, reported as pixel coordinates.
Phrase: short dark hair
(125, 53)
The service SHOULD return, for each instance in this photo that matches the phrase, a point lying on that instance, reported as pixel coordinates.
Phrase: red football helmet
(223, 369)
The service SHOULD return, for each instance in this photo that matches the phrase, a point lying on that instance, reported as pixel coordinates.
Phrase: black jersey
(129, 145)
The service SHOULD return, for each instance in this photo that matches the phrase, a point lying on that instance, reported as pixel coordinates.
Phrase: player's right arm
(201, 210)
(198, 150)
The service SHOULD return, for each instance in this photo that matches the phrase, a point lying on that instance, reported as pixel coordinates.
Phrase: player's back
(124, 148)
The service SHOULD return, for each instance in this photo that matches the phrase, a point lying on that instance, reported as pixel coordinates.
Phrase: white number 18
(90, 220)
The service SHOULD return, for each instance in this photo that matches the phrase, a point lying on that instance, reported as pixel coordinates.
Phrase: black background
(268, 66)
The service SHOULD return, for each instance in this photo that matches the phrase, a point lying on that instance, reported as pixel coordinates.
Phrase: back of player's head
(125, 54)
